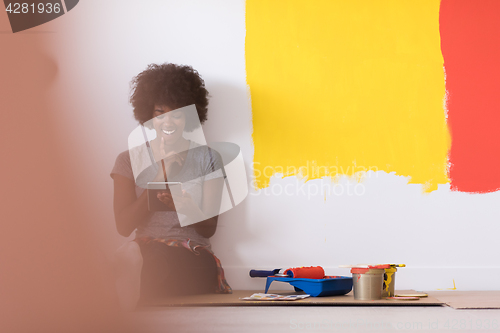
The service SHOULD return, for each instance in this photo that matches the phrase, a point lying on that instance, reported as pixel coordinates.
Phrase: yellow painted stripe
(347, 86)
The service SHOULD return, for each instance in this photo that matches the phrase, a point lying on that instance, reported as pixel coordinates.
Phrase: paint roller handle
(261, 273)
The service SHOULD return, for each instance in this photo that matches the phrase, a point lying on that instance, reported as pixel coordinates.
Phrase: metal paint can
(367, 283)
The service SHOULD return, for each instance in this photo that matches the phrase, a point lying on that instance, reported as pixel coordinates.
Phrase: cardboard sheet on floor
(234, 300)
(469, 299)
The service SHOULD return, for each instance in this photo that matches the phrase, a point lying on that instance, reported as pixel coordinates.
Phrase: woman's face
(168, 124)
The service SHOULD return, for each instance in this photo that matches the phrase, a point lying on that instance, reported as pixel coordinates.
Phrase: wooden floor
(469, 299)
(344, 318)
(235, 299)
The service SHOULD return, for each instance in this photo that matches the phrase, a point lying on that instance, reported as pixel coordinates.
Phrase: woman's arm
(129, 210)
(207, 228)
(212, 195)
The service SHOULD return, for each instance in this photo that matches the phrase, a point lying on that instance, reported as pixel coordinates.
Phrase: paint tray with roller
(312, 281)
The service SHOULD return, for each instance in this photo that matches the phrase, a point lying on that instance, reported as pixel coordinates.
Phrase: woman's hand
(165, 198)
(184, 204)
(170, 160)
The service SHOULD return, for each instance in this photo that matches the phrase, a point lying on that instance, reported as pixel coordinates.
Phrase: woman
(167, 258)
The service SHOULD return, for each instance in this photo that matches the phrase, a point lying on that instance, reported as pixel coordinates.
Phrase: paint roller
(313, 272)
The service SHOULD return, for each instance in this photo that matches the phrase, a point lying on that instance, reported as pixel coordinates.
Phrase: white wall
(101, 45)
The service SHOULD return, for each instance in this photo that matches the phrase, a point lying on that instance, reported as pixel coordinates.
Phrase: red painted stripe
(470, 42)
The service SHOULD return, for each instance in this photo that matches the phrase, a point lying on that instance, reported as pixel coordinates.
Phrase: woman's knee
(129, 254)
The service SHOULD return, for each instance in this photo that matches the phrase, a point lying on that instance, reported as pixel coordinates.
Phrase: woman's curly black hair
(171, 85)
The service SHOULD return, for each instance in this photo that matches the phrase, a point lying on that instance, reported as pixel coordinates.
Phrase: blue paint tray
(329, 286)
